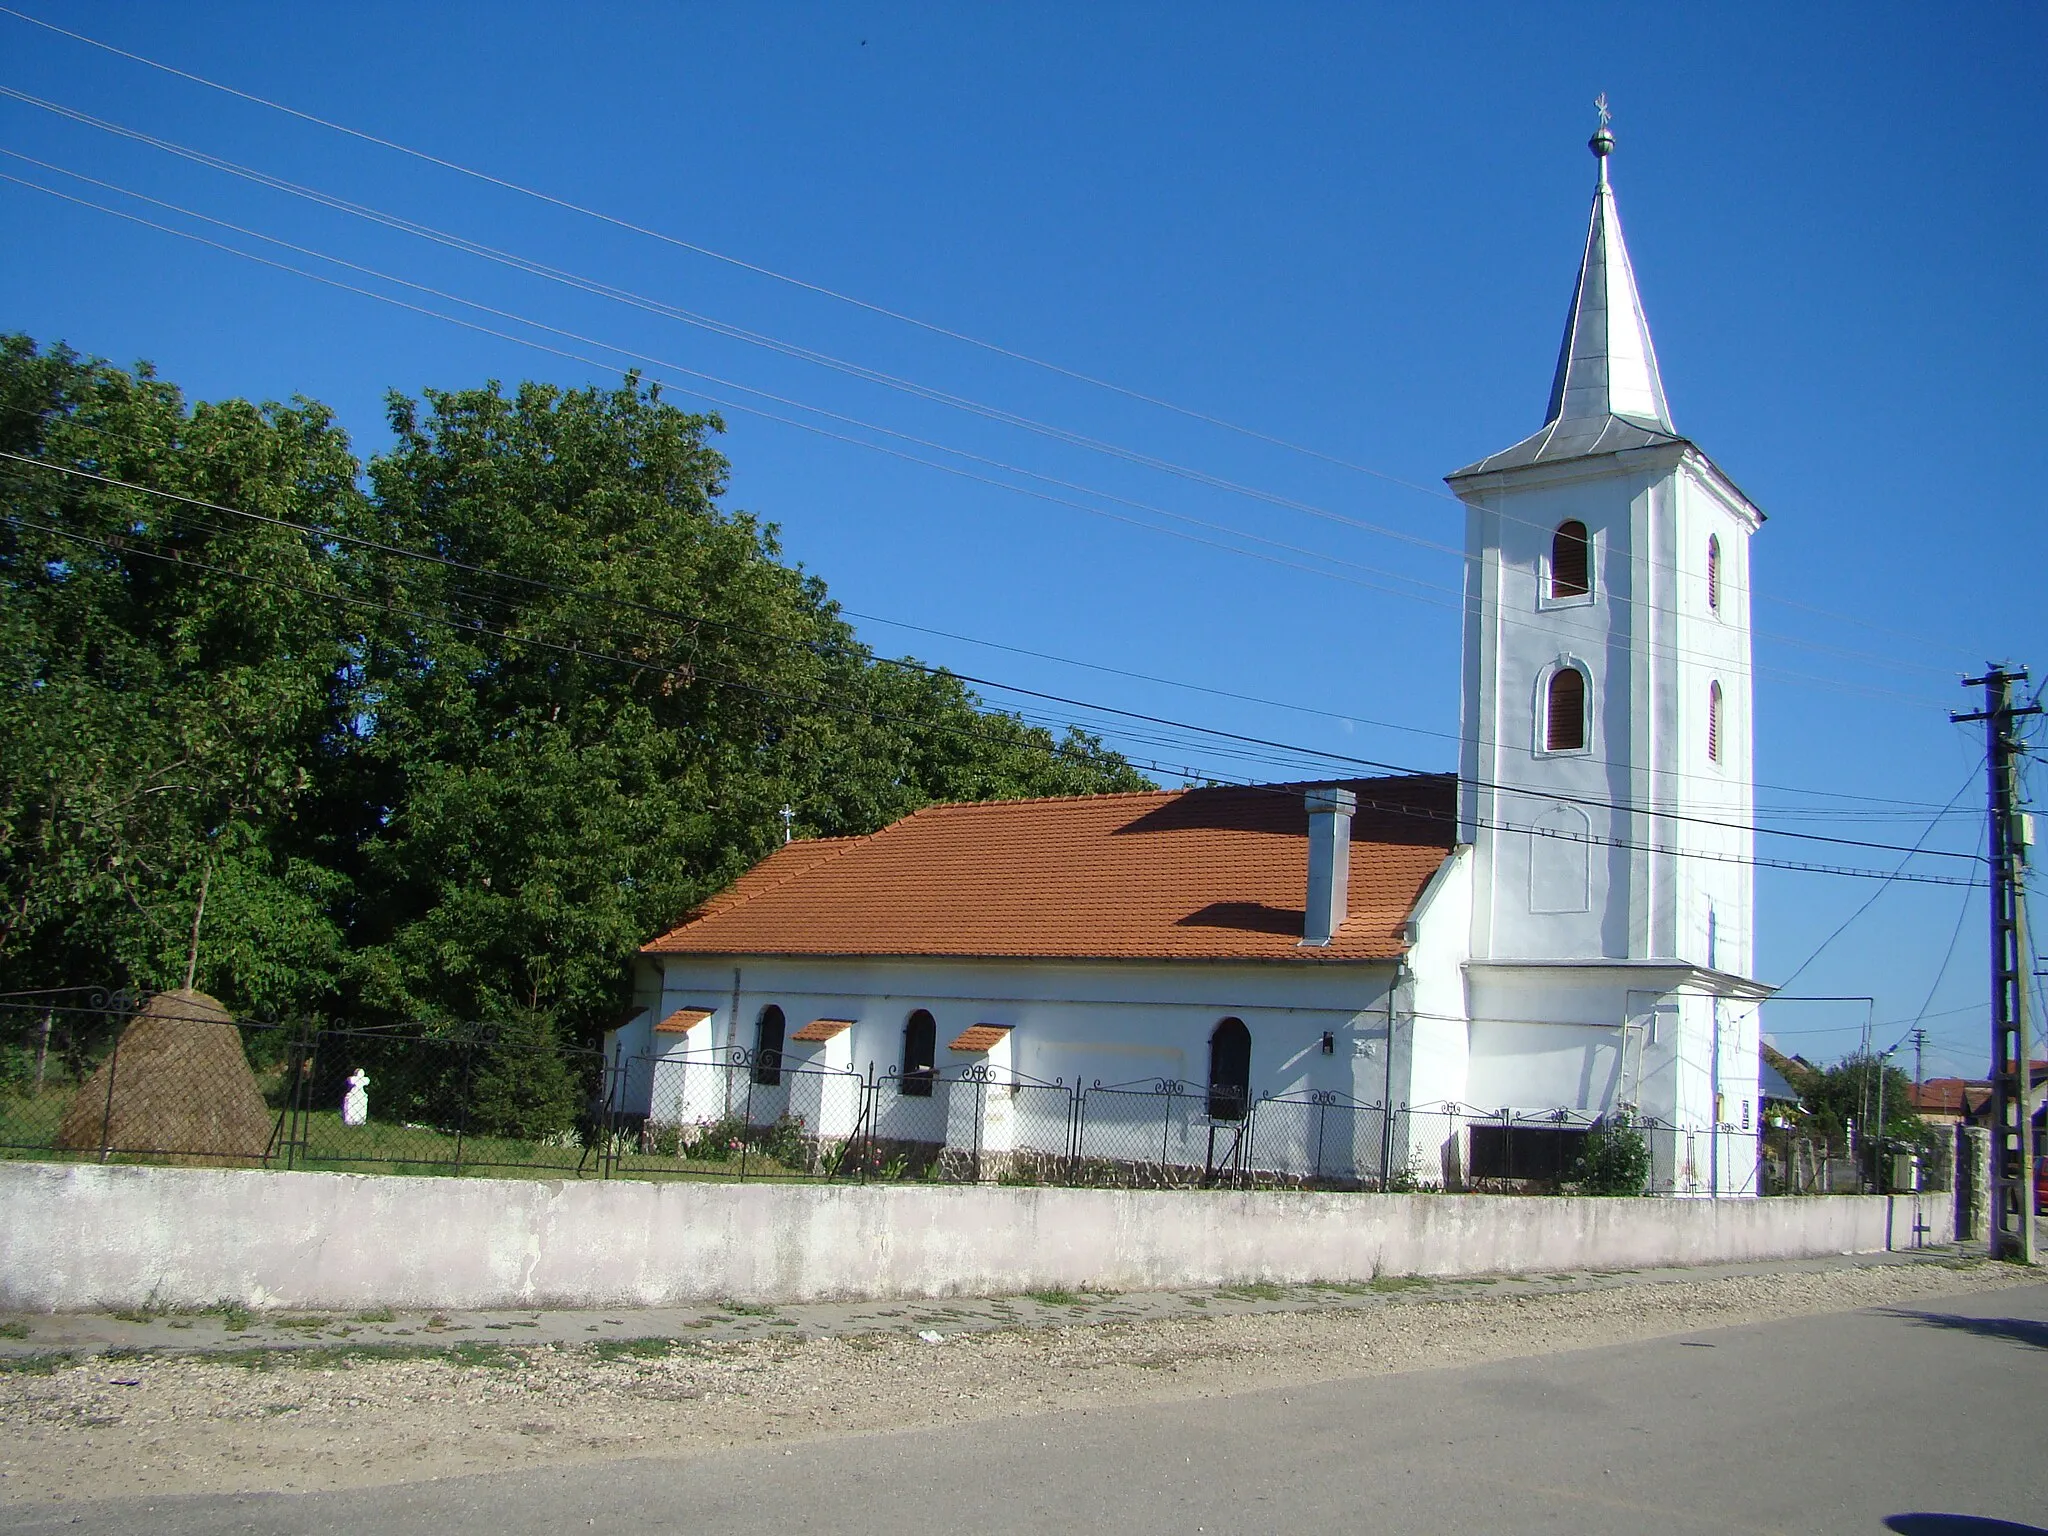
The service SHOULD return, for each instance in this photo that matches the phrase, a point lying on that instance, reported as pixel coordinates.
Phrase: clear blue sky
(1352, 227)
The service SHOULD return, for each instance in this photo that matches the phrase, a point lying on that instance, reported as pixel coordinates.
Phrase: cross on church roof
(1602, 142)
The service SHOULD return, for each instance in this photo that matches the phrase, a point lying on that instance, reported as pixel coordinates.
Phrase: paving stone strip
(227, 1400)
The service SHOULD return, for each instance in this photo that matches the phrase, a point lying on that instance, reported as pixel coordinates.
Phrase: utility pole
(1880, 1166)
(2012, 1108)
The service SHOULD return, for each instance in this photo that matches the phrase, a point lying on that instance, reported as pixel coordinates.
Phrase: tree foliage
(1614, 1159)
(169, 675)
(1857, 1090)
(525, 693)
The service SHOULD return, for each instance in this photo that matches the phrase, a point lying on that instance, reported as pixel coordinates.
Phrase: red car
(2041, 1185)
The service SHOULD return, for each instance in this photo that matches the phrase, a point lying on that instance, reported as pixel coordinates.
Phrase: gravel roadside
(138, 1422)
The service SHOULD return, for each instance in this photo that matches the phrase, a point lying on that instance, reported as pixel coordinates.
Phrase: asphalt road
(1931, 1422)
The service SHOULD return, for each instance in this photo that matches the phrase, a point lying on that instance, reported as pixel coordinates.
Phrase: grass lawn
(326, 1145)
(650, 1165)
(28, 1132)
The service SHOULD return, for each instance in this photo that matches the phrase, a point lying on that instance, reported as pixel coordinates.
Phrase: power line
(1505, 615)
(470, 627)
(1235, 738)
(1821, 948)
(1949, 954)
(587, 653)
(610, 291)
(732, 404)
(817, 288)
(1905, 813)
(75, 423)
(1294, 751)
(72, 422)
(715, 255)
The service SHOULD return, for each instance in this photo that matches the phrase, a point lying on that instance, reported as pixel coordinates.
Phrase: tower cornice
(1475, 484)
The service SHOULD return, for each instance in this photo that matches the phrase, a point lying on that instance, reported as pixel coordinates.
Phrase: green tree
(447, 736)
(520, 1082)
(1851, 1091)
(618, 686)
(168, 675)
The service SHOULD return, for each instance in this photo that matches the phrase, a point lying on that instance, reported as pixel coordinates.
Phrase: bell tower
(1604, 772)
(1605, 763)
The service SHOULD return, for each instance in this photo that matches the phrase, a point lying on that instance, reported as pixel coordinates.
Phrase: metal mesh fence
(94, 1076)
(1153, 1134)
(368, 1101)
(177, 1080)
(1322, 1140)
(730, 1114)
(101, 1077)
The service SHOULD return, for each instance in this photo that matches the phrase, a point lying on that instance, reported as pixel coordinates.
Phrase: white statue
(355, 1104)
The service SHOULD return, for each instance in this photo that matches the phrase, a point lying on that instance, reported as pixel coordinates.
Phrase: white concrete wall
(1515, 636)
(1710, 645)
(78, 1236)
(1116, 1022)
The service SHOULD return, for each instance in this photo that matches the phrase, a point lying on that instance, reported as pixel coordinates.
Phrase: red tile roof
(979, 1037)
(1198, 874)
(1950, 1096)
(682, 1021)
(818, 1031)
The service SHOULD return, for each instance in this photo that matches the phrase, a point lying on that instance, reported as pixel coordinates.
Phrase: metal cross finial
(1602, 142)
(788, 818)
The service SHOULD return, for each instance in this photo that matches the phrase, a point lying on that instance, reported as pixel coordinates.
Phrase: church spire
(1607, 365)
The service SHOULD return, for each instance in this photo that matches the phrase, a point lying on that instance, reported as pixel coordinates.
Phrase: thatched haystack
(181, 1088)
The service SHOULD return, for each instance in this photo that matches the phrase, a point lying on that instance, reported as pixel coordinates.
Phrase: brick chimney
(1329, 863)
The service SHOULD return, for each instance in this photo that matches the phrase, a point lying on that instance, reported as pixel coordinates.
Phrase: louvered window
(1713, 574)
(1571, 560)
(1714, 722)
(1564, 722)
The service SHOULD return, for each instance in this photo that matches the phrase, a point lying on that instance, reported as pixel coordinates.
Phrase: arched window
(768, 1047)
(1713, 722)
(1230, 1070)
(1713, 573)
(1564, 711)
(1571, 566)
(920, 1056)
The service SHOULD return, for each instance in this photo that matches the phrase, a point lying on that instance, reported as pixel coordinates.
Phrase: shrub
(784, 1141)
(715, 1141)
(1613, 1160)
(520, 1084)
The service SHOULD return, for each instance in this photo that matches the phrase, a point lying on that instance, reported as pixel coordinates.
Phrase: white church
(1560, 936)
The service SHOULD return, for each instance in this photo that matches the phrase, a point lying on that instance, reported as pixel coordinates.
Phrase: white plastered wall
(1112, 1021)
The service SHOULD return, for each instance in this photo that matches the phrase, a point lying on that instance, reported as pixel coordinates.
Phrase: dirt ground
(146, 1421)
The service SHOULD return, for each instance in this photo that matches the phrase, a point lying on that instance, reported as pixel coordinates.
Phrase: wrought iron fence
(94, 1076)
(98, 1076)
(449, 1101)
(734, 1112)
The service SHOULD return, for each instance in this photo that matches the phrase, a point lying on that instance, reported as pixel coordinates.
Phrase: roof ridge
(1185, 789)
(969, 805)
